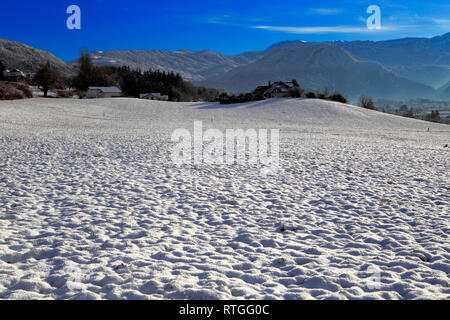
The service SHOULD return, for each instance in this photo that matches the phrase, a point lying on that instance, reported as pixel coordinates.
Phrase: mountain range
(16, 55)
(424, 60)
(394, 69)
(193, 66)
(322, 65)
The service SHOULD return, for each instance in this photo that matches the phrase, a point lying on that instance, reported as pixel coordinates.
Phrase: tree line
(132, 82)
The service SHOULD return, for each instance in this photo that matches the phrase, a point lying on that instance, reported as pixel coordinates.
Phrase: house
(154, 96)
(14, 75)
(103, 92)
(274, 90)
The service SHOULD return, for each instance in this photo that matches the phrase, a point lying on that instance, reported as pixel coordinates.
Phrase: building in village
(103, 92)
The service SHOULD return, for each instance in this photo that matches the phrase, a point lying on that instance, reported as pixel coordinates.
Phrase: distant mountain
(191, 65)
(282, 43)
(394, 69)
(444, 91)
(321, 65)
(20, 56)
(424, 60)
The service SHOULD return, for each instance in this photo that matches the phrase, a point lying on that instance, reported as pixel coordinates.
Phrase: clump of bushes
(323, 94)
(14, 91)
(338, 98)
(296, 92)
(366, 103)
(241, 98)
(310, 95)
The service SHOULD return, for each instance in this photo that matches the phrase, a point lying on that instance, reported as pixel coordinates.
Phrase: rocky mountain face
(16, 55)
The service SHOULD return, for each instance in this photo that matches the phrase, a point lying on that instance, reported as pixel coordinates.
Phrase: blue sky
(227, 26)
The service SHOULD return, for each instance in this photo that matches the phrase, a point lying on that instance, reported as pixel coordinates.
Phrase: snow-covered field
(91, 205)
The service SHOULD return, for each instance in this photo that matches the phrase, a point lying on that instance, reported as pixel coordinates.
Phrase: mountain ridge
(16, 55)
(423, 61)
(191, 65)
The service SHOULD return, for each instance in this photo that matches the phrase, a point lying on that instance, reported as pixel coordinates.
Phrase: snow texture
(91, 206)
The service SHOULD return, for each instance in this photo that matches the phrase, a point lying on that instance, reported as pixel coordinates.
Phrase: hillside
(317, 66)
(191, 65)
(94, 208)
(18, 55)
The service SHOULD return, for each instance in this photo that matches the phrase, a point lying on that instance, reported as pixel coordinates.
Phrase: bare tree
(367, 103)
(47, 78)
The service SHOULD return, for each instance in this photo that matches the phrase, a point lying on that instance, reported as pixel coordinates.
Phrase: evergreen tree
(90, 75)
(434, 116)
(2, 68)
(134, 82)
(84, 78)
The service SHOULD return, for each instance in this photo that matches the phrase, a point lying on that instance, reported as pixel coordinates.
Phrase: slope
(18, 55)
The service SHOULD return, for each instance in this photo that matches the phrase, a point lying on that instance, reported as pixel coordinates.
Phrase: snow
(91, 206)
